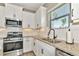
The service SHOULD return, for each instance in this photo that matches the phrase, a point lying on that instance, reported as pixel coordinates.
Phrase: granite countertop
(72, 49)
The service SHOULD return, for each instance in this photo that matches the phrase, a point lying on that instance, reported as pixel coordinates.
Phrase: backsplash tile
(61, 33)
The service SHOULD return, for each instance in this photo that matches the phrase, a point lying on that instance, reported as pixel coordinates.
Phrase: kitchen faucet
(54, 37)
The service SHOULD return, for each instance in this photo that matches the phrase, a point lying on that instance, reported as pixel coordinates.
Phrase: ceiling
(29, 6)
(50, 5)
(34, 6)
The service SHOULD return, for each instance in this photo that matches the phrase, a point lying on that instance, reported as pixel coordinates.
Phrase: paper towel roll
(69, 37)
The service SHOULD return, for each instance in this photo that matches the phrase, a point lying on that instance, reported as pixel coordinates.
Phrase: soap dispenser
(69, 39)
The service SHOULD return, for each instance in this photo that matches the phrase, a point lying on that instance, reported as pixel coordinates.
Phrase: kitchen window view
(39, 29)
(60, 17)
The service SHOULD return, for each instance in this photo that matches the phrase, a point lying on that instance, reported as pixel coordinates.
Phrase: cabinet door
(40, 48)
(13, 11)
(27, 44)
(75, 10)
(28, 19)
(9, 11)
(41, 17)
(49, 51)
(35, 47)
(18, 12)
(43, 49)
(38, 18)
(1, 47)
(48, 20)
(3, 33)
(31, 43)
(2, 16)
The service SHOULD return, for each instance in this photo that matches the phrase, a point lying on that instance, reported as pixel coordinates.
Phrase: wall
(61, 33)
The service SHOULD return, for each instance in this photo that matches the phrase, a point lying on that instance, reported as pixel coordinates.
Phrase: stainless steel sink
(51, 40)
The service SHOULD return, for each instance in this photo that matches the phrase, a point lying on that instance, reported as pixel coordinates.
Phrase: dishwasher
(62, 53)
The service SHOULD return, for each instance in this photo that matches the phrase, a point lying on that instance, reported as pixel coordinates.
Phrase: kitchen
(39, 29)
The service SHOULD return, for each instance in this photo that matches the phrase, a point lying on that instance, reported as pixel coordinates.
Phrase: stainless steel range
(13, 44)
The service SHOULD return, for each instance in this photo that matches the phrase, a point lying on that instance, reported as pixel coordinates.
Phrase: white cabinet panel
(9, 11)
(27, 44)
(49, 51)
(43, 49)
(1, 47)
(28, 19)
(13, 11)
(75, 10)
(18, 12)
(40, 48)
(38, 18)
(41, 17)
(2, 16)
(35, 47)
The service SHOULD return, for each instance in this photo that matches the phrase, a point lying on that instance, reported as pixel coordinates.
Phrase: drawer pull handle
(42, 51)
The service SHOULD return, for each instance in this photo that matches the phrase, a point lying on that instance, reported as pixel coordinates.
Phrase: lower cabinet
(38, 47)
(27, 44)
(49, 50)
(43, 49)
(1, 47)
(35, 47)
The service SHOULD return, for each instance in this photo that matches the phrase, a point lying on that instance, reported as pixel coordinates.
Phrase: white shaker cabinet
(43, 49)
(40, 48)
(46, 50)
(49, 50)
(38, 18)
(41, 17)
(1, 47)
(74, 11)
(27, 44)
(35, 47)
(2, 17)
(28, 19)
(2, 22)
(13, 11)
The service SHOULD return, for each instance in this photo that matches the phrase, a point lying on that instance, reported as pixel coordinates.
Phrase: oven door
(11, 46)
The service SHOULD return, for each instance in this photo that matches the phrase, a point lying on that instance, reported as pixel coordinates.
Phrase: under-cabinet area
(39, 29)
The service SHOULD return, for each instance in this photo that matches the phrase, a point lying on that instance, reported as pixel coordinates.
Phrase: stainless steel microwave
(13, 23)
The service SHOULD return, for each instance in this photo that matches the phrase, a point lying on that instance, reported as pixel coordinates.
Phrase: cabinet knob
(14, 15)
(42, 51)
(28, 25)
(34, 44)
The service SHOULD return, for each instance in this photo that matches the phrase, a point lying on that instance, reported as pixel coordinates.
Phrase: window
(60, 17)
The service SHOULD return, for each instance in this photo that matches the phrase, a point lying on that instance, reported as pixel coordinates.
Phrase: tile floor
(29, 54)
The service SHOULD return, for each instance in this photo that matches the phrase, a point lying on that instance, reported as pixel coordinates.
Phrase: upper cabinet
(2, 17)
(13, 11)
(75, 10)
(40, 17)
(28, 19)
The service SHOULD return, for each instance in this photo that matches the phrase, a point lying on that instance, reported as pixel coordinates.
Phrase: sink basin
(51, 40)
(57, 41)
(45, 38)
